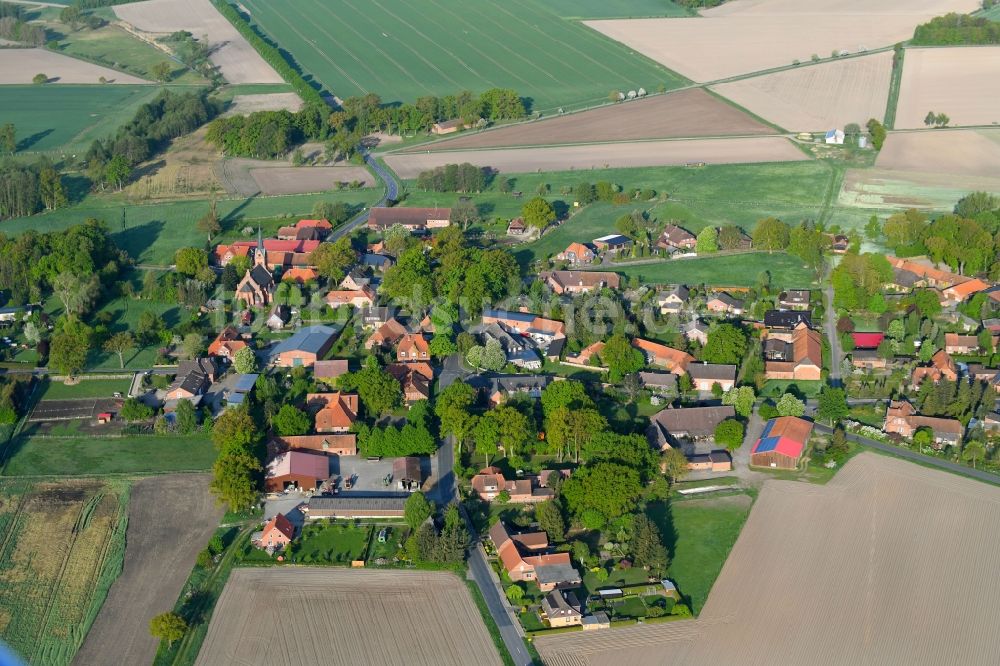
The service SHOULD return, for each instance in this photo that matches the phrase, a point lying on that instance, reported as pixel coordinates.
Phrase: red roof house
(867, 340)
(277, 533)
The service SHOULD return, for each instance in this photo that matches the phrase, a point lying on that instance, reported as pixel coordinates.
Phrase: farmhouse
(902, 419)
(781, 443)
(448, 126)
(786, 319)
(613, 243)
(387, 335)
(355, 281)
(551, 571)
(329, 370)
(490, 482)
(673, 360)
(673, 301)
(193, 379)
(416, 220)
(345, 444)
(333, 412)
(517, 227)
(723, 303)
(696, 331)
(579, 282)
(306, 346)
(351, 506)
(561, 609)
(277, 533)
(669, 426)
(223, 254)
(942, 367)
(674, 238)
(413, 347)
(542, 331)
(284, 254)
(362, 298)
(414, 378)
(706, 375)
(794, 299)
(960, 344)
(519, 350)
(803, 356)
(227, 343)
(296, 469)
(964, 290)
(577, 253)
(927, 274)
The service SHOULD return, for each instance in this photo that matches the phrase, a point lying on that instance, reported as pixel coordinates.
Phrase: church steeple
(260, 255)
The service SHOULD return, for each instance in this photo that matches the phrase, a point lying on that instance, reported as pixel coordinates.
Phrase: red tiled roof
(867, 340)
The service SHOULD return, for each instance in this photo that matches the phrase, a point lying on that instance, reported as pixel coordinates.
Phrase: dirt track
(171, 518)
(604, 156)
(300, 615)
(688, 113)
(853, 572)
(21, 65)
(962, 82)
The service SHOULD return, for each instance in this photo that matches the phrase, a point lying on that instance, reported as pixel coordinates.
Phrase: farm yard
(68, 118)
(170, 520)
(62, 548)
(819, 97)
(607, 155)
(962, 82)
(339, 616)
(685, 113)
(236, 59)
(402, 51)
(19, 66)
(879, 519)
(744, 37)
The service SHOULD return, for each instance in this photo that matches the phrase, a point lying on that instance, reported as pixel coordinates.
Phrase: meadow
(736, 270)
(63, 547)
(87, 388)
(402, 50)
(67, 118)
(593, 9)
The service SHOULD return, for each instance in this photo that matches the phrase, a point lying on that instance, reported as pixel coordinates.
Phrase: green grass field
(78, 456)
(154, 232)
(68, 118)
(699, 534)
(404, 50)
(737, 270)
(87, 388)
(331, 543)
(601, 9)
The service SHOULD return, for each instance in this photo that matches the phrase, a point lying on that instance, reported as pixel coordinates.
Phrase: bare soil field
(744, 37)
(865, 549)
(292, 616)
(817, 98)
(956, 152)
(237, 60)
(21, 65)
(962, 82)
(245, 104)
(305, 180)
(171, 518)
(887, 188)
(185, 169)
(607, 156)
(687, 113)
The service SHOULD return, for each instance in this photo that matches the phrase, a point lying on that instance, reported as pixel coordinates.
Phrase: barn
(781, 443)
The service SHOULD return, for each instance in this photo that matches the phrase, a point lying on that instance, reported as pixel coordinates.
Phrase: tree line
(267, 134)
(14, 26)
(955, 28)
(463, 177)
(27, 189)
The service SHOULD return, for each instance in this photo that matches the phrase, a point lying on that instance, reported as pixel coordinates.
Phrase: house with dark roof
(276, 534)
(660, 383)
(706, 375)
(519, 350)
(672, 427)
(378, 262)
(800, 359)
(560, 608)
(524, 562)
(675, 300)
(406, 473)
(306, 346)
(498, 388)
(543, 331)
(787, 319)
(352, 506)
(675, 238)
(613, 243)
(723, 303)
(781, 443)
(193, 379)
(794, 299)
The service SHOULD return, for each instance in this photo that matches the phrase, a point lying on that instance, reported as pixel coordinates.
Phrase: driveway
(830, 330)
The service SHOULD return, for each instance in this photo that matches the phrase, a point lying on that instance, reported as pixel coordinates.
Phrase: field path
(171, 518)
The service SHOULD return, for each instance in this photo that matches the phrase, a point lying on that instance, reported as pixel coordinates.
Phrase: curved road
(391, 192)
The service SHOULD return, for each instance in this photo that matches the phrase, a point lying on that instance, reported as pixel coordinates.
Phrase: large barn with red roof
(781, 443)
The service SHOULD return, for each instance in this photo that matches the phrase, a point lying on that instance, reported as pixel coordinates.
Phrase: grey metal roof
(244, 383)
(308, 339)
(351, 503)
(557, 573)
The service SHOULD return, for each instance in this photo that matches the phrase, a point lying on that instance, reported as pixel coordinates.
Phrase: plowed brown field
(962, 82)
(854, 572)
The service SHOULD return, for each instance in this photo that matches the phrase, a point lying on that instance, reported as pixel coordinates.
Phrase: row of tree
(268, 134)
(463, 177)
(27, 189)
(955, 28)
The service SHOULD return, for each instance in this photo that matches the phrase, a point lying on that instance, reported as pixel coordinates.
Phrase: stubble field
(293, 616)
(170, 519)
(21, 65)
(962, 82)
(962, 152)
(686, 113)
(404, 50)
(866, 549)
(820, 97)
(606, 156)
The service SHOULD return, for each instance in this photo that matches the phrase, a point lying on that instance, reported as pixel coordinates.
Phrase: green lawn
(68, 118)
(124, 315)
(330, 542)
(112, 46)
(699, 534)
(87, 388)
(777, 387)
(403, 50)
(152, 233)
(724, 270)
(96, 456)
(600, 9)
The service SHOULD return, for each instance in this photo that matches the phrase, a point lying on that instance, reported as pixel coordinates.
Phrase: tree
(789, 405)
(168, 627)
(208, 224)
(76, 294)
(190, 260)
(133, 410)
(120, 344)
(334, 213)
(69, 348)
(771, 234)
(648, 550)
(291, 421)
(193, 345)
(514, 429)
(417, 510)
(605, 487)
(8, 138)
(186, 417)
(927, 302)
(675, 465)
(621, 358)
(727, 344)
(161, 71)
(923, 436)
(235, 477)
(550, 519)
(379, 391)
(538, 213)
(708, 241)
(485, 432)
(741, 398)
(235, 431)
(117, 171)
(832, 404)
(332, 260)
(973, 452)
(514, 593)
(39, 79)
(452, 409)
(729, 433)
(245, 361)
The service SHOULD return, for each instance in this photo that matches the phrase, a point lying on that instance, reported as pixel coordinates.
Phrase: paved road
(391, 192)
(830, 329)
(480, 570)
(946, 465)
